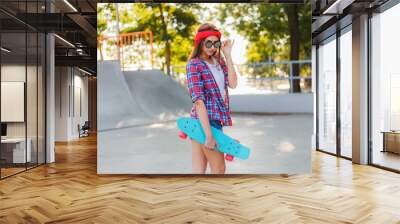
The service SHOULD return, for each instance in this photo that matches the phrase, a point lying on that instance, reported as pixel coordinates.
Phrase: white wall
(33, 126)
(12, 101)
(79, 117)
(70, 83)
(12, 73)
(62, 81)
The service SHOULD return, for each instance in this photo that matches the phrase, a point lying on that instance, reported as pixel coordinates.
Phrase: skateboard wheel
(182, 135)
(228, 157)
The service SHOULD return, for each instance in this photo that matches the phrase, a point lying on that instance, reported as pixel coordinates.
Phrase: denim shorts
(216, 124)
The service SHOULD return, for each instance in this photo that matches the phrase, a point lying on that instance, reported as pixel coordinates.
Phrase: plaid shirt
(202, 85)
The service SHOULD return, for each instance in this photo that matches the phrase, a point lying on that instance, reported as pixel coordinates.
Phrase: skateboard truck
(230, 157)
(182, 135)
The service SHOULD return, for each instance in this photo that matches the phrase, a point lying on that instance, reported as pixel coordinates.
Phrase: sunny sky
(239, 48)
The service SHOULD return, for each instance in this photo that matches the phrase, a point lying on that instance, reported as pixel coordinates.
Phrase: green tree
(275, 31)
(172, 27)
(105, 12)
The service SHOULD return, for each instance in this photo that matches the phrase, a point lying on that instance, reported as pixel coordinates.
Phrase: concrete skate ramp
(137, 98)
(116, 106)
(158, 95)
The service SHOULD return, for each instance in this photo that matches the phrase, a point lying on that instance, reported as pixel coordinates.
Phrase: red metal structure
(128, 42)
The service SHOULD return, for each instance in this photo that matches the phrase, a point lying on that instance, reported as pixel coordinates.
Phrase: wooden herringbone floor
(69, 191)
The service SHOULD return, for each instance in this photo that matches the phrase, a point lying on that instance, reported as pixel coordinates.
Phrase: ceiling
(328, 16)
(74, 22)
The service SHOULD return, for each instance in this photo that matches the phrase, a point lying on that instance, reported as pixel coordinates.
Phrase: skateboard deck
(192, 128)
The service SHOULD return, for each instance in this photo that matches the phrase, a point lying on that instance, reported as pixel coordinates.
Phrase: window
(22, 78)
(327, 95)
(385, 88)
(346, 92)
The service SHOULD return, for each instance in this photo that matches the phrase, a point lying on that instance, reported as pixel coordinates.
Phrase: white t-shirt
(218, 74)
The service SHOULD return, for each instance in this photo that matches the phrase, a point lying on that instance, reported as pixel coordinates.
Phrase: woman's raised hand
(226, 46)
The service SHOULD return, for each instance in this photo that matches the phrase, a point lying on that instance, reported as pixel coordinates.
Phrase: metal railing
(134, 50)
(276, 77)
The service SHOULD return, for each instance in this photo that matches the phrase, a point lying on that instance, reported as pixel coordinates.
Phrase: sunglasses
(216, 44)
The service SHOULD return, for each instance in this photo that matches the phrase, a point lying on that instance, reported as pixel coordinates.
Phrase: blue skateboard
(192, 128)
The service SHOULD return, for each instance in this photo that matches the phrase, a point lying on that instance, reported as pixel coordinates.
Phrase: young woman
(209, 76)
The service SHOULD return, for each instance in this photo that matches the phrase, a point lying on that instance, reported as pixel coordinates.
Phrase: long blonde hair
(197, 49)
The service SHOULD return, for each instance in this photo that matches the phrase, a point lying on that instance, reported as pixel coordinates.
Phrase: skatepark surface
(276, 147)
(127, 99)
(138, 134)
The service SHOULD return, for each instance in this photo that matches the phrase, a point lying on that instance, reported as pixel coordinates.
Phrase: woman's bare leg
(216, 160)
(199, 161)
